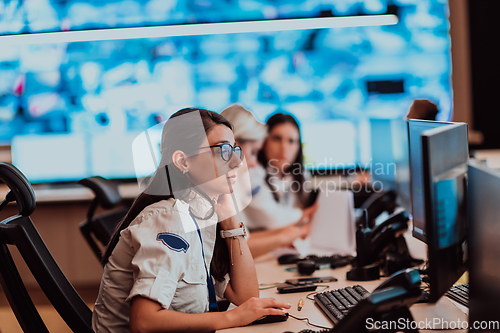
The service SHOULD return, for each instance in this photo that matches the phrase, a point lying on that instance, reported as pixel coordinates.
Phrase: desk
(46, 193)
(268, 271)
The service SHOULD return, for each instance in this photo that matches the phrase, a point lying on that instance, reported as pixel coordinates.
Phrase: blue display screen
(333, 80)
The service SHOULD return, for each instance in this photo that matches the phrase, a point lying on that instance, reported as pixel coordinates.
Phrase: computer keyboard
(337, 303)
(459, 293)
(327, 259)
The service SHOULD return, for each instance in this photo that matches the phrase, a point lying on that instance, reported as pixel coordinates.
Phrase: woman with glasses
(281, 223)
(180, 232)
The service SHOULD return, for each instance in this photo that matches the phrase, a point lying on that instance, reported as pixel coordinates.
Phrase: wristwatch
(241, 231)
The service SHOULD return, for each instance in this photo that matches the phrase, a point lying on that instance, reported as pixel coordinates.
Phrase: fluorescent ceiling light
(199, 29)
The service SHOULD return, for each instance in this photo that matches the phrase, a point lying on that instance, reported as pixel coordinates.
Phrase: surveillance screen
(333, 80)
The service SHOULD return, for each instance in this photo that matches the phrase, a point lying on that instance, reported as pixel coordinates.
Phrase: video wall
(99, 95)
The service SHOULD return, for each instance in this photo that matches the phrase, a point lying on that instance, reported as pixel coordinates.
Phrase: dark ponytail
(177, 136)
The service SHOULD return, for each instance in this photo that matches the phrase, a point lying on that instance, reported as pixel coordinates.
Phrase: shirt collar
(198, 204)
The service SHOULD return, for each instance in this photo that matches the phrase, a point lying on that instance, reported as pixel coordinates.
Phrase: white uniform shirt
(159, 257)
(264, 212)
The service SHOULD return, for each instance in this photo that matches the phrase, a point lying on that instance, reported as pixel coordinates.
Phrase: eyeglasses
(226, 151)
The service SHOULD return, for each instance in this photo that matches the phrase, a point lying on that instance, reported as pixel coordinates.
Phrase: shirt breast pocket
(195, 274)
(192, 290)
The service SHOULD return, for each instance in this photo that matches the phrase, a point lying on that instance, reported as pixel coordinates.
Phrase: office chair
(101, 227)
(20, 232)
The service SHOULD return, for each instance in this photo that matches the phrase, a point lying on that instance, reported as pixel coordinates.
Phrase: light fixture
(198, 29)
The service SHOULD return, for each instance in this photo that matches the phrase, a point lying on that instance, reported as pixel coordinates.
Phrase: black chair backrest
(101, 227)
(106, 192)
(19, 231)
(20, 188)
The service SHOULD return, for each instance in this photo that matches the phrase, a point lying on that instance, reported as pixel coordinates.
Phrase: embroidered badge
(255, 190)
(173, 241)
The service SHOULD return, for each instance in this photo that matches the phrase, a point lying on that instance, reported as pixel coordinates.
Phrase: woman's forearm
(147, 316)
(243, 283)
(265, 241)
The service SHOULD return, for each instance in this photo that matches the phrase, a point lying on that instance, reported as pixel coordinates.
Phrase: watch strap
(241, 231)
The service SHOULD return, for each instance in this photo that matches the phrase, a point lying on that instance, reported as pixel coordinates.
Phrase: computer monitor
(390, 165)
(445, 154)
(338, 153)
(111, 156)
(401, 150)
(483, 211)
(51, 157)
(415, 129)
(383, 167)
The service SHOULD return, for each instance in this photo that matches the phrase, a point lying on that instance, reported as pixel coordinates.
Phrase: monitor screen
(51, 157)
(401, 149)
(415, 129)
(390, 166)
(483, 210)
(445, 153)
(383, 166)
(333, 80)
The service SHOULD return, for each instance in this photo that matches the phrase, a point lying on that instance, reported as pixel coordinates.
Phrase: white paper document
(333, 229)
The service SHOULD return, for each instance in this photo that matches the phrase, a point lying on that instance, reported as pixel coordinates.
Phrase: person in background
(159, 263)
(422, 109)
(280, 178)
(249, 135)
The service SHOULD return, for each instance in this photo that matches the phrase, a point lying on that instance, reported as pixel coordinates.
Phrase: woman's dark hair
(297, 167)
(178, 135)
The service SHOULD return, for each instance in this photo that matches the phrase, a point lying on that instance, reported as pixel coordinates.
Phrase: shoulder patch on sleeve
(255, 190)
(173, 241)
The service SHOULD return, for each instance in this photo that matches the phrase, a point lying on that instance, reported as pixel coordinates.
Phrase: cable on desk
(308, 322)
(269, 285)
(317, 291)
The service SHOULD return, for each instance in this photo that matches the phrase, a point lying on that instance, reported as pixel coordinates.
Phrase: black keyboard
(337, 303)
(327, 259)
(459, 293)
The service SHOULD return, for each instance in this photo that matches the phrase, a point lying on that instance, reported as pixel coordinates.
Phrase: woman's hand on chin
(226, 212)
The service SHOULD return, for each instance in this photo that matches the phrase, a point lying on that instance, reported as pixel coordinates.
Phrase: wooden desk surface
(269, 272)
(61, 194)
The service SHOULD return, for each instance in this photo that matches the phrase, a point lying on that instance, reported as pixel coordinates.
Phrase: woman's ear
(179, 160)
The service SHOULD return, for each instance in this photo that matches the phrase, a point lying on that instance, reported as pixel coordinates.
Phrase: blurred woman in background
(274, 223)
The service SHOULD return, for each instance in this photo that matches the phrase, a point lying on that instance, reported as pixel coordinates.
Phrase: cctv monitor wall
(332, 80)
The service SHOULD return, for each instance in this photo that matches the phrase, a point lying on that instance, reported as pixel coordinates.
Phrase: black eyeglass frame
(231, 151)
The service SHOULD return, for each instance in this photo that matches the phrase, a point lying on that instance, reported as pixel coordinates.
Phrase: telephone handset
(377, 203)
(371, 244)
(408, 278)
(384, 233)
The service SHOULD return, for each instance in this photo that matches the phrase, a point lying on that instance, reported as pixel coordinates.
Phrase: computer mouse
(271, 319)
(287, 259)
